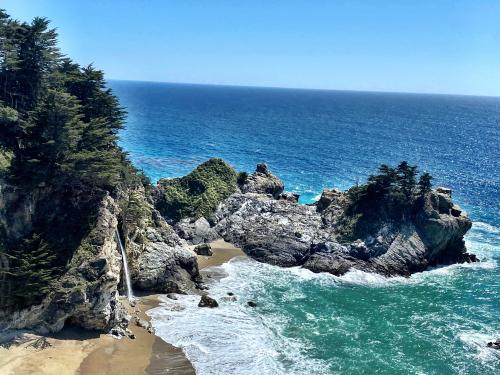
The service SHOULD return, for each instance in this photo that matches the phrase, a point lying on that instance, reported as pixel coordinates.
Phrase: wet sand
(146, 354)
(76, 351)
(222, 252)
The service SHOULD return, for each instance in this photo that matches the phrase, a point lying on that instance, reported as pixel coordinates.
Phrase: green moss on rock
(199, 193)
(5, 160)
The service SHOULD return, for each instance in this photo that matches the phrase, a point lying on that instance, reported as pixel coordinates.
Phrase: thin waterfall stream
(130, 294)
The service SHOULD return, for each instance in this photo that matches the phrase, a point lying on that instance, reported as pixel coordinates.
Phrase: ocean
(435, 322)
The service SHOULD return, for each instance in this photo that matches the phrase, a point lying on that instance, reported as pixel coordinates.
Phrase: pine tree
(59, 127)
(50, 135)
(425, 184)
(33, 271)
(407, 179)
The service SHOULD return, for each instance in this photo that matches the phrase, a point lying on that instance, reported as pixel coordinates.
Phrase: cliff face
(87, 290)
(160, 260)
(86, 294)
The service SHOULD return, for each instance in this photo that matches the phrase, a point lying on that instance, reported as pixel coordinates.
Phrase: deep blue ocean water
(436, 322)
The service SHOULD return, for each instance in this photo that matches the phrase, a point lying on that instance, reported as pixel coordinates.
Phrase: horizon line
(304, 88)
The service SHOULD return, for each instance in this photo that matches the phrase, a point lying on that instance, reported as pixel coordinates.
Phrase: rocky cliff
(86, 292)
(160, 260)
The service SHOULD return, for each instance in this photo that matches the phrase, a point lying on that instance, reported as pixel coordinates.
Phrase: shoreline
(77, 351)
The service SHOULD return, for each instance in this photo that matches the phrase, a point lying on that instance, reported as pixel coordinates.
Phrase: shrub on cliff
(199, 193)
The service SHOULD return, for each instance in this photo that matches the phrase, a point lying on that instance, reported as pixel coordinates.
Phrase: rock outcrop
(262, 181)
(160, 260)
(274, 231)
(282, 232)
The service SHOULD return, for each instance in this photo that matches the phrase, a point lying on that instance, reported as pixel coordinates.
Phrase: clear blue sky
(438, 46)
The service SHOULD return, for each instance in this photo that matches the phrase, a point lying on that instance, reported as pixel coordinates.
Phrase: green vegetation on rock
(392, 195)
(199, 193)
(5, 160)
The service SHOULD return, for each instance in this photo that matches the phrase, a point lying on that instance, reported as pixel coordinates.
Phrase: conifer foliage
(391, 195)
(58, 137)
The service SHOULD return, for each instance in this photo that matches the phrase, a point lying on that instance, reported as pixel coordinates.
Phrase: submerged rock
(206, 301)
(494, 344)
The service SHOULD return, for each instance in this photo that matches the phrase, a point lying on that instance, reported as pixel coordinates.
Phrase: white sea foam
(237, 339)
(478, 225)
(476, 342)
(233, 338)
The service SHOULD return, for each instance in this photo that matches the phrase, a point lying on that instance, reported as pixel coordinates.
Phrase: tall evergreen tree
(425, 183)
(50, 136)
(59, 128)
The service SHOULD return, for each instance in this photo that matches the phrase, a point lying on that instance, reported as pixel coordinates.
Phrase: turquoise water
(436, 322)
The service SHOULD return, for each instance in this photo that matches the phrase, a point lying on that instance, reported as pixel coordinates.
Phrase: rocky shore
(255, 214)
(77, 351)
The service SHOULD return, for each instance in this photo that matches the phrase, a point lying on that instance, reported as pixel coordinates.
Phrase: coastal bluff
(357, 229)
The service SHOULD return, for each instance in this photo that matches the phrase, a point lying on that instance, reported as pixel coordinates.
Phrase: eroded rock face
(331, 205)
(284, 233)
(86, 295)
(159, 259)
(196, 231)
(442, 226)
(279, 232)
(262, 181)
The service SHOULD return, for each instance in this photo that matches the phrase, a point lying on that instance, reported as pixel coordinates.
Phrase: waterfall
(130, 295)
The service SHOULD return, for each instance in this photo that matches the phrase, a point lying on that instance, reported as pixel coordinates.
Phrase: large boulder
(262, 181)
(196, 231)
(206, 301)
(204, 249)
(279, 232)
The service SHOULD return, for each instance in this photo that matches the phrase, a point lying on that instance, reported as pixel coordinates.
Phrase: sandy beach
(76, 351)
(222, 252)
